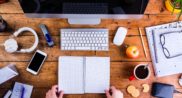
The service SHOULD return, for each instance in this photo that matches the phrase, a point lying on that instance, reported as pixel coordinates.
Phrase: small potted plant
(174, 6)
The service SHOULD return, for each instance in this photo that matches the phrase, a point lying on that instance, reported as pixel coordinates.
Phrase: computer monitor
(84, 11)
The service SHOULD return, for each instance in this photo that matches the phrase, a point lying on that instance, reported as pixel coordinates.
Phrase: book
(79, 75)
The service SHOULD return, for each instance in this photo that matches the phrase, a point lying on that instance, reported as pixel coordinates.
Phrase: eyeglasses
(165, 50)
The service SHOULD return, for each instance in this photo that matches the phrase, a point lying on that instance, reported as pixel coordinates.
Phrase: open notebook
(79, 75)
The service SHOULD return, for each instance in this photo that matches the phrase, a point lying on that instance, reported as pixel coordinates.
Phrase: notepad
(79, 75)
(165, 66)
(8, 72)
(17, 90)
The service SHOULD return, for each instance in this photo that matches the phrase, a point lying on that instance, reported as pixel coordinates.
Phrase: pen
(22, 92)
(142, 42)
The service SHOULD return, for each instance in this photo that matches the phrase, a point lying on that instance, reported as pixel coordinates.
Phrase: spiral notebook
(165, 65)
(79, 75)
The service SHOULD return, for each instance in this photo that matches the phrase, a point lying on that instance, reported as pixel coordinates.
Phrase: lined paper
(97, 78)
(71, 75)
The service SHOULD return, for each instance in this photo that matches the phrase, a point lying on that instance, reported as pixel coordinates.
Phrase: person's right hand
(52, 93)
(115, 93)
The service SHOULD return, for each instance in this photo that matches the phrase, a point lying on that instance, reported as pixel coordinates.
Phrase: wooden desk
(120, 65)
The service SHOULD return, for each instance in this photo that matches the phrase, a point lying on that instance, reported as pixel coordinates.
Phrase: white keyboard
(85, 39)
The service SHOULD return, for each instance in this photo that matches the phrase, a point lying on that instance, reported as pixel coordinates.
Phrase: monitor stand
(86, 21)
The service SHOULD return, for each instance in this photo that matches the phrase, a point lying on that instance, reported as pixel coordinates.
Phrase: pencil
(143, 44)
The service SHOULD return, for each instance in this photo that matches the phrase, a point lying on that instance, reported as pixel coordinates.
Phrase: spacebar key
(82, 48)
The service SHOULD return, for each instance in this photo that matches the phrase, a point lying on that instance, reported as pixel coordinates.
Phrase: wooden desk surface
(121, 66)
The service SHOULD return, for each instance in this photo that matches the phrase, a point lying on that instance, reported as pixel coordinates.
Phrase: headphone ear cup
(11, 45)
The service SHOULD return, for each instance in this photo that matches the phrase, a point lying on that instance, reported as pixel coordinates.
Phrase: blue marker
(22, 92)
(47, 35)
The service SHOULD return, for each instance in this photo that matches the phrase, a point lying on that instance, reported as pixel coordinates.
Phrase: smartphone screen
(36, 62)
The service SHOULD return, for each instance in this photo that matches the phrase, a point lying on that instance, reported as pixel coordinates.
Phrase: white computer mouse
(180, 82)
(120, 36)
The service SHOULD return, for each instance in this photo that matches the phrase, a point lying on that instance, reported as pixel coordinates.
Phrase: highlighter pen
(47, 35)
(22, 92)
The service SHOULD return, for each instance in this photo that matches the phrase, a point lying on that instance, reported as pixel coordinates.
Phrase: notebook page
(97, 74)
(70, 78)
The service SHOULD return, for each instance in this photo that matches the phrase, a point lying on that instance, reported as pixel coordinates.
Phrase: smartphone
(36, 62)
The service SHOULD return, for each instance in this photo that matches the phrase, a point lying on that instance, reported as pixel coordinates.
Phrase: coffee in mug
(140, 72)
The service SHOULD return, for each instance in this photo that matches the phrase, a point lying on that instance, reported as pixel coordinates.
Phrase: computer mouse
(120, 36)
(180, 82)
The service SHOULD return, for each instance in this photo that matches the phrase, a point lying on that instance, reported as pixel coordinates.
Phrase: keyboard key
(83, 48)
(104, 45)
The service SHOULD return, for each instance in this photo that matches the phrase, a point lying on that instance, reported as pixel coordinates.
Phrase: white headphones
(11, 45)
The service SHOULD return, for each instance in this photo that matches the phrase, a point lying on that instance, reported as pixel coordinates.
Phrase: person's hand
(115, 93)
(52, 93)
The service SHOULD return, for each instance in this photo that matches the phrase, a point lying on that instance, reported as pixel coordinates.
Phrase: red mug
(140, 72)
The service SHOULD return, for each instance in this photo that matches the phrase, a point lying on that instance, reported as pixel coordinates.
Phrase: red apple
(132, 52)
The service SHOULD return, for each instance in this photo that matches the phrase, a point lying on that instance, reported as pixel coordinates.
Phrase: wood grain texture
(121, 66)
(12, 6)
(120, 71)
(54, 25)
(116, 53)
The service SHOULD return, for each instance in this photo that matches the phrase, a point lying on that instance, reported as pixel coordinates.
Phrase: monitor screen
(84, 6)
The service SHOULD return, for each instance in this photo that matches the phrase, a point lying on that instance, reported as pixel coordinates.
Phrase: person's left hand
(52, 93)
